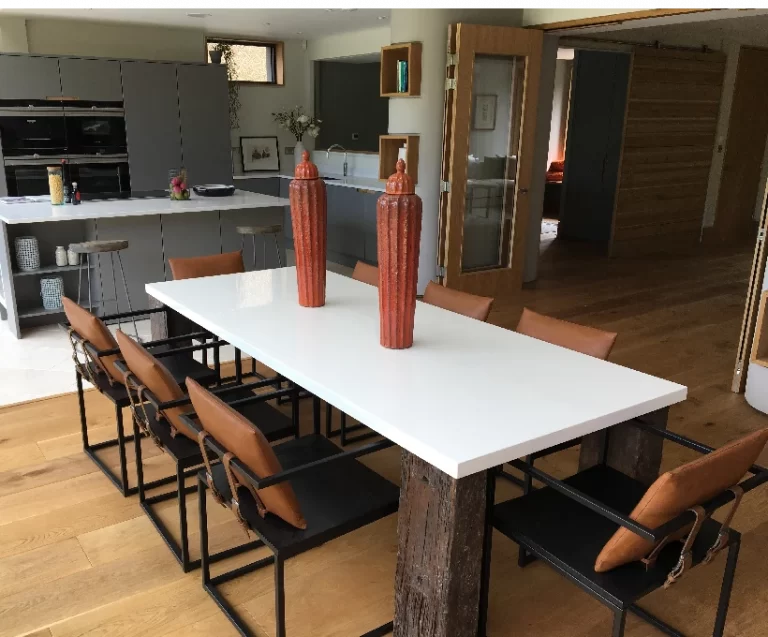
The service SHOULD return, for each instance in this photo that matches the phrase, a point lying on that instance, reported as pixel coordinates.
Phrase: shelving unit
(49, 269)
(389, 147)
(390, 56)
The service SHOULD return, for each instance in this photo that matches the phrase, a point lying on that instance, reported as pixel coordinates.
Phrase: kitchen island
(157, 229)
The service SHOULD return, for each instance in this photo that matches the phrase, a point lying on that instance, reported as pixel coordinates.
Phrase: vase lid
(400, 183)
(305, 169)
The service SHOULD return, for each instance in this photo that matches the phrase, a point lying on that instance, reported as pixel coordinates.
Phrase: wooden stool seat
(259, 230)
(95, 247)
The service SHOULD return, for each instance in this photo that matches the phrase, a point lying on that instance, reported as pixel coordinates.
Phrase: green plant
(228, 55)
(297, 122)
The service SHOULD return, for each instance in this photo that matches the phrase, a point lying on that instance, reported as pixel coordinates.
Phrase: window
(255, 62)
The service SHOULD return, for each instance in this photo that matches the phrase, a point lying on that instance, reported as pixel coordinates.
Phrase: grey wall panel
(143, 260)
(204, 111)
(231, 241)
(25, 77)
(595, 126)
(97, 80)
(152, 123)
(347, 99)
(190, 234)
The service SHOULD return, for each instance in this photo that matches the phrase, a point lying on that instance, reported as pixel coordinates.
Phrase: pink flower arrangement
(178, 188)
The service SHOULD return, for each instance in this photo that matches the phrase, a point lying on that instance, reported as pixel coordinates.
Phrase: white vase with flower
(298, 123)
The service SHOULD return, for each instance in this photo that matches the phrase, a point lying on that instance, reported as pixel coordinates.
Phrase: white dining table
(467, 397)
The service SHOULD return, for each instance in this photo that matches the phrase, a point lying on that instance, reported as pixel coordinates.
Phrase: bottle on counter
(75, 194)
(65, 177)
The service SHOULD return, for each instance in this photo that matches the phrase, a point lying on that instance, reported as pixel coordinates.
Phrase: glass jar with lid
(56, 185)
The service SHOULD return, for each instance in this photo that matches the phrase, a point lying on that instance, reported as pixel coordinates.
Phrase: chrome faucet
(340, 147)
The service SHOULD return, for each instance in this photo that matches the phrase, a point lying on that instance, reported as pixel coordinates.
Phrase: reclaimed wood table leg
(441, 532)
(630, 450)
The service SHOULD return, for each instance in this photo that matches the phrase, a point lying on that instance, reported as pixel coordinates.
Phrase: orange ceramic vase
(399, 232)
(309, 222)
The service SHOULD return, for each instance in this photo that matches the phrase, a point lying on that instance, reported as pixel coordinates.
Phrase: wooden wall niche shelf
(760, 345)
(389, 147)
(390, 56)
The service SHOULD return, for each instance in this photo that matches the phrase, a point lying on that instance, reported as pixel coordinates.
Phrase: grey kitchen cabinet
(262, 185)
(192, 234)
(266, 252)
(370, 237)
(151, 123)
(142, 261)
(93, 80)
(284, 194)
(204, 112)
(346, 241)
(29, 77)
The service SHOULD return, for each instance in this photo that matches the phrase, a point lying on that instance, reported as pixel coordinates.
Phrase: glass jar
(56, 185)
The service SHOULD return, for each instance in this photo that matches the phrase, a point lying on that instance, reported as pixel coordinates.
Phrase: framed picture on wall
(484, 113)
(259, 154)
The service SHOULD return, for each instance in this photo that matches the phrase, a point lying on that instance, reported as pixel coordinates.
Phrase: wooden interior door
(743, 161)
(490, 122)
(673, 104)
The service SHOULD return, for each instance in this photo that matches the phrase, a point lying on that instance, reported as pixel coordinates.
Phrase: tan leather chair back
(92, 329)
(471, 305)
(366, 273)
(151, 373)
(211, 265)
(677, 491)
(239, 436)
(580, 338)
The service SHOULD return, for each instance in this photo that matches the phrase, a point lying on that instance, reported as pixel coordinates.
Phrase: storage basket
(27, 253)
(51, 291)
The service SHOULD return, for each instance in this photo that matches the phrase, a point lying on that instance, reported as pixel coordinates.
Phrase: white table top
(44, 211)
(466, 397)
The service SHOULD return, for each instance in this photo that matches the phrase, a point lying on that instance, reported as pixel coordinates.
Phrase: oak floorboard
(87, 562)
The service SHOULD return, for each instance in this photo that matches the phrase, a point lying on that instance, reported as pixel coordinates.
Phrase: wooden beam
(614, 18)
(441, 531)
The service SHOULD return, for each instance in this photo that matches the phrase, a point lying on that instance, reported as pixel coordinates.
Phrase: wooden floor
(78, 559)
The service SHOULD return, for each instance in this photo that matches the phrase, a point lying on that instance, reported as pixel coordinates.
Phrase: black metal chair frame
(731, 538)
(189, 465)
(118, 395)
(343, 431)
(278, 557)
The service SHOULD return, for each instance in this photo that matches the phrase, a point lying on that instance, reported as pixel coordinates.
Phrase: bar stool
(111, 247)
(263, 231)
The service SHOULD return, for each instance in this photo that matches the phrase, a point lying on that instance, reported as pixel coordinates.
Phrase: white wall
(347, 44)
(13, 35)
(561, 95)
(544, 16)
(258, 102)
(65, 37)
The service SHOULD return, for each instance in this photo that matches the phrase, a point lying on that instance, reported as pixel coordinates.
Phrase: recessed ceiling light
(198, 15)
(267, 24)
(299, 32)
(382, 17)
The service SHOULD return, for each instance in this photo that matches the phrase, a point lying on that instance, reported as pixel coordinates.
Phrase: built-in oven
(95, 131)
(97, 177)
(32, 131)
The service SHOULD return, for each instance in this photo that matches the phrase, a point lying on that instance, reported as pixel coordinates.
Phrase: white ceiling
(304, 24)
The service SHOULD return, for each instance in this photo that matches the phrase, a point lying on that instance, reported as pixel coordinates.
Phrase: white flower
(314, 131)
(303, 119)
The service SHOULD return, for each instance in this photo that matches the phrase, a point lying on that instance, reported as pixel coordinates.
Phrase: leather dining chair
(95, 353)
(366, 273)
(471, 305)
(579, 338)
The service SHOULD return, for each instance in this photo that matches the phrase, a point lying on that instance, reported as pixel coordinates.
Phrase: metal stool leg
(277, 249)
(127, 296)
(264, 250)
(253, 240)
(79, 276)
(88, 265)
(114, 287)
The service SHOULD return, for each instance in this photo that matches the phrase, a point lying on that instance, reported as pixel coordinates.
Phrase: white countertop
(331, 179)
(44, 211)
(466, 397)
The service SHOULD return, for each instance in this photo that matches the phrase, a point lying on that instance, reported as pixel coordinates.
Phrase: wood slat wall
(669, 137)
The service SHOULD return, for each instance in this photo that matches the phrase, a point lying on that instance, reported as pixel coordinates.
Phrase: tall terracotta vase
(399, 232)
(309, 221)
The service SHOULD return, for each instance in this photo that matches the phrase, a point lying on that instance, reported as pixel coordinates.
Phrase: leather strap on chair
(233, 484)
(722, 537)
(208, 471)
(650, 559)
(686, 557)
(86, 366)
(137, 403)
